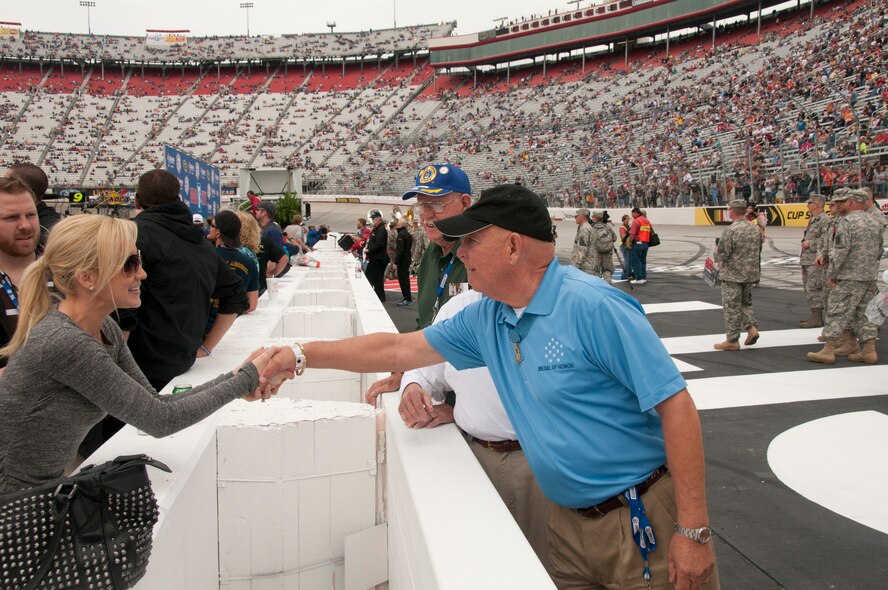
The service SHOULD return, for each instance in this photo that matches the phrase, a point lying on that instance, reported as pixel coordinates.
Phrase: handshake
(275, 364)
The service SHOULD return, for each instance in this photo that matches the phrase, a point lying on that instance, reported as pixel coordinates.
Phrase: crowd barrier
(314, 489)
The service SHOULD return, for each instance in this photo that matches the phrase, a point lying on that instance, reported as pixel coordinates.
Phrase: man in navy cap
(441, 191)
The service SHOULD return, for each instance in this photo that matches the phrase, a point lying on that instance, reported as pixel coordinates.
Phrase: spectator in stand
(95, 267)
(225, 234)
(19, 239)
(36, 179)
(272, 259)
(255, 202)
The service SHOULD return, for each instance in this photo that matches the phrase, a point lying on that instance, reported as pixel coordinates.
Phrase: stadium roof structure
(613, 22)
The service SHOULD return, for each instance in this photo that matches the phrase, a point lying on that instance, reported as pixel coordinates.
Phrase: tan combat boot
(727, 345)
(752, 336)
(867, 355)
(827, 355)
(815, 321)
(847, 344)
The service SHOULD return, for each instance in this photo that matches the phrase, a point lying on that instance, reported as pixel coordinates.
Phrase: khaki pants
(510, 474)
(600, 552)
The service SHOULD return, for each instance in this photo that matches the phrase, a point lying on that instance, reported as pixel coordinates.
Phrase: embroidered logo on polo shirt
(554, 355)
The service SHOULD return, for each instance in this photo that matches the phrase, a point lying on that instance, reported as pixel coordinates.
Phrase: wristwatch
(701, 535)
(301, 361)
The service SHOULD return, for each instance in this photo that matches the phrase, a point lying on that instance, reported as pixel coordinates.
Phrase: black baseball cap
(509, 206)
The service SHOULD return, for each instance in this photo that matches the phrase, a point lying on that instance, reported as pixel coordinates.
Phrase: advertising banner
(200, 183)
(164, 39)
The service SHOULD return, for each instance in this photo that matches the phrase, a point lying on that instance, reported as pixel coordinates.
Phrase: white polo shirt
(478, 410)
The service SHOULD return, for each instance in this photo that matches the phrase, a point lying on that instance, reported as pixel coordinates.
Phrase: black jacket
(403, 246)
(184, 272)
(376, 243)
(48, 217)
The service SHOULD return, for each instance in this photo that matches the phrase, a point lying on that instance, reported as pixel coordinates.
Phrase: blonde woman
(249, 236)
(273, 260)
(69, 365)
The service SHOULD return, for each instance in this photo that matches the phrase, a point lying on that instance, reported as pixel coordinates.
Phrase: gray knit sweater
(63, 381)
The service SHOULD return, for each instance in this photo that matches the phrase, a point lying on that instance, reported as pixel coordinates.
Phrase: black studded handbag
(91, 530)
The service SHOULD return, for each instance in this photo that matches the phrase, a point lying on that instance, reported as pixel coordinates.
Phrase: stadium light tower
(247, 6)
(331, 25)
(88, 4)
(577, 2)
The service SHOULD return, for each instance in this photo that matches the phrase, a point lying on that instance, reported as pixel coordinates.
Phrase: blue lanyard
(440, 288)
(10, 291)
(642, 531)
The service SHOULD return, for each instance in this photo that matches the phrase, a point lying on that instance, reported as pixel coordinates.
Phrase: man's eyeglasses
(132, 264)
(436, 207)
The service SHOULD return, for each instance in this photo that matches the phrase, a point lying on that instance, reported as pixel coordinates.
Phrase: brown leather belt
(617, 501)
(499, 446)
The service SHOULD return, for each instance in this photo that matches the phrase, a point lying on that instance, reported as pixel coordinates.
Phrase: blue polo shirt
(582, 398)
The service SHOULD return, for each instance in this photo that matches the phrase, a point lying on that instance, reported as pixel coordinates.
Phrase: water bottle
(358, 269)
(877, 309)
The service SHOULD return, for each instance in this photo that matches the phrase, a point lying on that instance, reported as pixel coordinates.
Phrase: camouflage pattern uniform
(391, 241)
(880, 217)
(420, 242)
(583, 256)
(739, 253)
(854, 266)
(812, 275)
(603, 263)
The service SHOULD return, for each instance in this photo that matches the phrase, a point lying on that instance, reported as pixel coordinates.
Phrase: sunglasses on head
(133, 263)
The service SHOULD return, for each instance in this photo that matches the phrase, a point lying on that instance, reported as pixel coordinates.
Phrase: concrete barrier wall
(447, 528)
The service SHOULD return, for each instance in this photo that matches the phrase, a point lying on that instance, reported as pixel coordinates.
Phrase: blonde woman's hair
(250, 231)
(94, 243)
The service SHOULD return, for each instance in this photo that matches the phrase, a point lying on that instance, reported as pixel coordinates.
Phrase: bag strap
(63, 507)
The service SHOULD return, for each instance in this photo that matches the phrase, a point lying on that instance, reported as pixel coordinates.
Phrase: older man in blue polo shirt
(604, 417)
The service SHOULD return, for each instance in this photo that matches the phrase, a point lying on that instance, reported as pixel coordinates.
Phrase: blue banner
(200, 183)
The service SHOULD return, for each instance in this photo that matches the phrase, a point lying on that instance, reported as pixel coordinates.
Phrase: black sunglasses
(133, 263)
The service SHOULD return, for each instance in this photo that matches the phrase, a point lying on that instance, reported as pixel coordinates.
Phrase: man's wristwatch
(301, 362)
(701, 535)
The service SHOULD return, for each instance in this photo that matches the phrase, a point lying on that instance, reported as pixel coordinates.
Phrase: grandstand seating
(649, 129)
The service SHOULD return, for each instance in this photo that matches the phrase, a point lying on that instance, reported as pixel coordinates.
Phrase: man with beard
(441, 191)
(19, 235)
(36, 179)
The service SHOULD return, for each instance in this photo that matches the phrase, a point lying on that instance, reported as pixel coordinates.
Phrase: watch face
(704, 534)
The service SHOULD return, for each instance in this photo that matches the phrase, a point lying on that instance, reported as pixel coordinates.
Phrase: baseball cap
(437, 180)
(839, 195)
(582, 212)
(857, 195)
(228, 224)
(268, 206)
(197, 219)
(737, 204)
(375, 213)
(816, 198)
(509, 206)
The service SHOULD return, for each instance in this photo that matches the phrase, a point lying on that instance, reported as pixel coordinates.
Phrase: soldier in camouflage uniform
(872, 208)
(420, 241)
(838, 209)
(852, 272)
(739, 254)
(603, 264)
(390, 242)
(583, 256)
(812, 274)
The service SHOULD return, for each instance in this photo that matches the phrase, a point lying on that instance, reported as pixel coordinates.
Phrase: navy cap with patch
(438, 180)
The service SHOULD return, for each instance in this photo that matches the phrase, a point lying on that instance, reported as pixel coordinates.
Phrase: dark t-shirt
(242, 265)
(268, 250)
